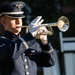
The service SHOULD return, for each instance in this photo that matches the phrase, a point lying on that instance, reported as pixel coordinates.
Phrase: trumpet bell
(63, 23)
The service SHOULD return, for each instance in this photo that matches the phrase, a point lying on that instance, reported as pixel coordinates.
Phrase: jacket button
(25, 60)
(27, 73)
(26, 66)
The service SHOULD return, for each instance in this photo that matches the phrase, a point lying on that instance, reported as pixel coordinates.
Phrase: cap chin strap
(12, 13)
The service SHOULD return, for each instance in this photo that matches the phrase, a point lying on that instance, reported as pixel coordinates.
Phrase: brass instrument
(62, 24)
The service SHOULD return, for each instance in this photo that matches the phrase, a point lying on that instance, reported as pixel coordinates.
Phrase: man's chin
(17, 31)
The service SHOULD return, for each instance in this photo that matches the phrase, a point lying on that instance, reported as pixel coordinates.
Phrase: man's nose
(18, 20)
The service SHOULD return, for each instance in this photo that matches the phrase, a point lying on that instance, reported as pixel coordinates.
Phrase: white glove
(33, 26)
(42, 34)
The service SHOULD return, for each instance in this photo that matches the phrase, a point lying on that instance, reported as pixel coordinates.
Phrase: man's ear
(2, 21)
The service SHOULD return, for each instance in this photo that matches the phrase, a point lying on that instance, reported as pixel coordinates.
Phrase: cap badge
(18, 5)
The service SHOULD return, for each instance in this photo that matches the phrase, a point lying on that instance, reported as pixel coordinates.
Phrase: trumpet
(62, 24)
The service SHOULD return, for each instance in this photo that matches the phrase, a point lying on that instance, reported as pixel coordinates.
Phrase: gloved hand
(42, 34)
(33, 26)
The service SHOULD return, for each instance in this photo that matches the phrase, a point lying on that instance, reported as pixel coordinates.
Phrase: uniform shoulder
(4, 40)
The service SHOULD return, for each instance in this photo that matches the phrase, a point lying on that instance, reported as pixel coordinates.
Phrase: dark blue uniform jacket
(11, 60)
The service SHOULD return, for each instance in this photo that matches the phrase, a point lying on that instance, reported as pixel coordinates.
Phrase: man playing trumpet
(21, 55)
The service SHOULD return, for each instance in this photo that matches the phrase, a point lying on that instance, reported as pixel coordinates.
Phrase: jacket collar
(10, 35)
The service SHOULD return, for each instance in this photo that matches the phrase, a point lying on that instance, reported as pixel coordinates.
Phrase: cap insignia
(18, 5)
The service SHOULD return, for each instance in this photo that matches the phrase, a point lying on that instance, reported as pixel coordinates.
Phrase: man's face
(12, 24)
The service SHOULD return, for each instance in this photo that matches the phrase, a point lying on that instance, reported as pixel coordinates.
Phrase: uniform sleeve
(47, 57)
(40, 56)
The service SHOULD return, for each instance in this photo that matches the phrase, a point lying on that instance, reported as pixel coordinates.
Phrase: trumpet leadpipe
(45, 25)
(24, 26)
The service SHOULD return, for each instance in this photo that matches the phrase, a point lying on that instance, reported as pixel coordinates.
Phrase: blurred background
(51, 11)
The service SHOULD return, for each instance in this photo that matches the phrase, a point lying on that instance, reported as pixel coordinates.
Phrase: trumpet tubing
(24, 26)
(46, 25)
